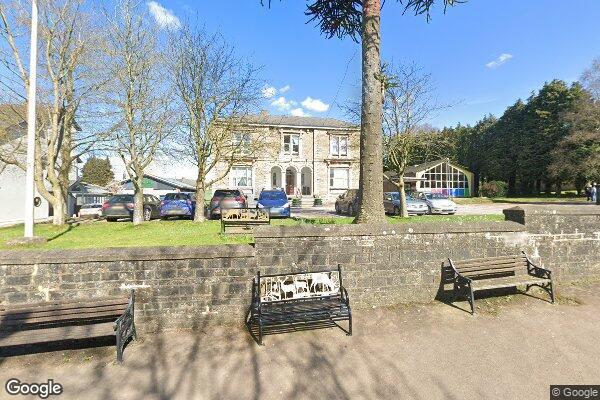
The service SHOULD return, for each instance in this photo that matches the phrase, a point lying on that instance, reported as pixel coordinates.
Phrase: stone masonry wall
(382, 264)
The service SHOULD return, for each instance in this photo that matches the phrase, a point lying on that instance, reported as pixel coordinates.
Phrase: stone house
(305, 156)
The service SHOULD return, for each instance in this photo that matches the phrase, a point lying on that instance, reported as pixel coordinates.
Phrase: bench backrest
(303, 285)
(510, 264)
(249, 215)
(63, 312)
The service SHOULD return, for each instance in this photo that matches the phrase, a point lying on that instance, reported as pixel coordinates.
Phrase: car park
(92, 210)
(226, 198)
(347, 202)
(438, 203)
(178, 204)
(121, 206)
(391, 204)
(275, 201)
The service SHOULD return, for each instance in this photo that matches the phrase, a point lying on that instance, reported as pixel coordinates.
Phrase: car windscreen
(436, 196)
(176, 196)
(275, 195)
(124, 198)
(226, 193)
(395, 196)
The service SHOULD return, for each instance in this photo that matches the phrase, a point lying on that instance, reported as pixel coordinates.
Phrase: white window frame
(290, 151)
(234, 179)
(332, 179)
(337, 141)
(238, 138)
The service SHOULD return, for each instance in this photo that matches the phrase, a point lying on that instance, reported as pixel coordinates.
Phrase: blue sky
(532, 41)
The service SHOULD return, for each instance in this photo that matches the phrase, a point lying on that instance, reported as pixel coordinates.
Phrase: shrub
(494, 189)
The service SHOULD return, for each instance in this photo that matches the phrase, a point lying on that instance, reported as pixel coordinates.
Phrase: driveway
(515, 348)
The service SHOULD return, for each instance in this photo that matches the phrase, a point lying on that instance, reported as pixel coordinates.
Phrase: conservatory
(441, 176)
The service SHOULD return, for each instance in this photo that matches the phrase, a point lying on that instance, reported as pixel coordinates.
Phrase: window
(339, 178)
(241, 176)
(291, 144)
(338, 145)
(241, 142)
(446, 179)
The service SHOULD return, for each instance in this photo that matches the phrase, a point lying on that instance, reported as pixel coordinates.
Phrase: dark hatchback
(178, 205)
(121, 206)
(226, 198)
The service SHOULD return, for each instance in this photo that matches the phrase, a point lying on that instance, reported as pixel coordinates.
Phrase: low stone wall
(382, 264)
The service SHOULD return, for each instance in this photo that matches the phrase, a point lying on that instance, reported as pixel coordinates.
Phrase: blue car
(178, 204)
(275, 201)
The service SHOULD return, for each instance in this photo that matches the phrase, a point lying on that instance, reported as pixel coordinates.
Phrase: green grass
(97, 234)
(124, 234)
(540, 199)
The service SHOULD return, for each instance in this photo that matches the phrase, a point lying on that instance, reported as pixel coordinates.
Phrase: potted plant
(296, 202)
(318, 201)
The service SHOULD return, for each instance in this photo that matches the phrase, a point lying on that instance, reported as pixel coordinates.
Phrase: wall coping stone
(558, 209)
(264, 232)
(69, 256)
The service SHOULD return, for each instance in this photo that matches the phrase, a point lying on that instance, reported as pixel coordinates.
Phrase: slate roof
(298, 122)
(176, 183)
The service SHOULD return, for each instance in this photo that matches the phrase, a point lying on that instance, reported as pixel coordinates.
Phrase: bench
(243, 219)
(298, 301)
(488, 273)
(57, 321)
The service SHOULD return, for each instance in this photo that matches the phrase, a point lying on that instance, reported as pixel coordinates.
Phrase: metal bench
(243, 219)
(57, 321)
(298, 301)
(498, 272)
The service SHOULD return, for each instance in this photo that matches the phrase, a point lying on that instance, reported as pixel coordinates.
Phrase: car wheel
(111, 219)
(147, 214)
(396, 211)
(337, 209)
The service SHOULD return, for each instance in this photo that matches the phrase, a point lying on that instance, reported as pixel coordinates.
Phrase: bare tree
(409, 102)
(138, 97)
(65, 82)
(214, 90)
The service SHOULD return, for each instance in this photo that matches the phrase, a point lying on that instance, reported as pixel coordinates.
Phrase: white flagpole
(29, 179)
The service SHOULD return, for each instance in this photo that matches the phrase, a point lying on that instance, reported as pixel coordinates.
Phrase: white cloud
(503, 58)
(315, 105)
(163, 17)
(284, 89)
(282, 104)
(269, 92)
(299, 112)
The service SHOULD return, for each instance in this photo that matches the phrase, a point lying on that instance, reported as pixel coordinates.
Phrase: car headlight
(260, 205)
(287, 205)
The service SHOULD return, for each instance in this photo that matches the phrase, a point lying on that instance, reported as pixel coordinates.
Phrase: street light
(31, 117)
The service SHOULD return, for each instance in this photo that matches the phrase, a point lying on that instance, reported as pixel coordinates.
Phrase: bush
(494, 189)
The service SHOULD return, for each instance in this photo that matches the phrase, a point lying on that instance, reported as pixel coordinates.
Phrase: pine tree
(97, 171)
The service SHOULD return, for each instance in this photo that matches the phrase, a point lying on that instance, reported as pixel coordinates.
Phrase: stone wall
(382, 264)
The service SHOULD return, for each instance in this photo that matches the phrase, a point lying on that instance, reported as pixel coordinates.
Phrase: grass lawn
(534, 200)
(92, 234)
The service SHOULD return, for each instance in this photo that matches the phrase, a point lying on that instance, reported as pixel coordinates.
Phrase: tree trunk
(138, 203)
(558, 188)
(370, 207)
(402, 193)
(199, 214)
(511, 185)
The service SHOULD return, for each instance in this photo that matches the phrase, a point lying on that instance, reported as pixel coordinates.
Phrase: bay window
(339, 178)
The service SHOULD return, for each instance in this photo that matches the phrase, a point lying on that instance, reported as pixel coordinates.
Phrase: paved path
(514, 349)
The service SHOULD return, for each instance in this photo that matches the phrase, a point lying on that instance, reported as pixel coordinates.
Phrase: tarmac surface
(514, 348)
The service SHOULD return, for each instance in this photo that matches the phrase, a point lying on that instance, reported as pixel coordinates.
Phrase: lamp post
(31, 116)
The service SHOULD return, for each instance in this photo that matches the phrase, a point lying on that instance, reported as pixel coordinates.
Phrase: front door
(290, 181)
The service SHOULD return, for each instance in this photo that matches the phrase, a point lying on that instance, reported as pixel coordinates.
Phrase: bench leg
(471, 300)
(349, 323)
(119, 344)
(551, 290)
(260, 335)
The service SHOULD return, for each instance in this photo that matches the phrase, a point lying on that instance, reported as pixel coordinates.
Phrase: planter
(318, 201)
(296, 202)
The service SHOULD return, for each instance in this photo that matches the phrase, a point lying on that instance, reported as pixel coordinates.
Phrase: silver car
(391, 204)
(438, 203)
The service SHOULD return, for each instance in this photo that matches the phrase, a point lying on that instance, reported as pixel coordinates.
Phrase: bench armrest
(129, 311)
(344, 293)
(458, 278)
(537, 271)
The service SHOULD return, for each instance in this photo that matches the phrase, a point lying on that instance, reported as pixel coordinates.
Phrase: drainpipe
(312, 175)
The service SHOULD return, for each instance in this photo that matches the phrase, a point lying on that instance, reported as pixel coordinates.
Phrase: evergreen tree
(97, 171)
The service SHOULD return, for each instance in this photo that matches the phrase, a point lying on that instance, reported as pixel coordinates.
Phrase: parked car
(225, 198)
(178, 204)
(275, 201)
(438, 203)
(121, 206)
(93, 210)
(347, 202)
(391, 204)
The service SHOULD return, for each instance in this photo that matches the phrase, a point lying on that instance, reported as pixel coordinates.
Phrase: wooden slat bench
(298, 301)
(56, 321)
(243, 219)
(498, 272)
